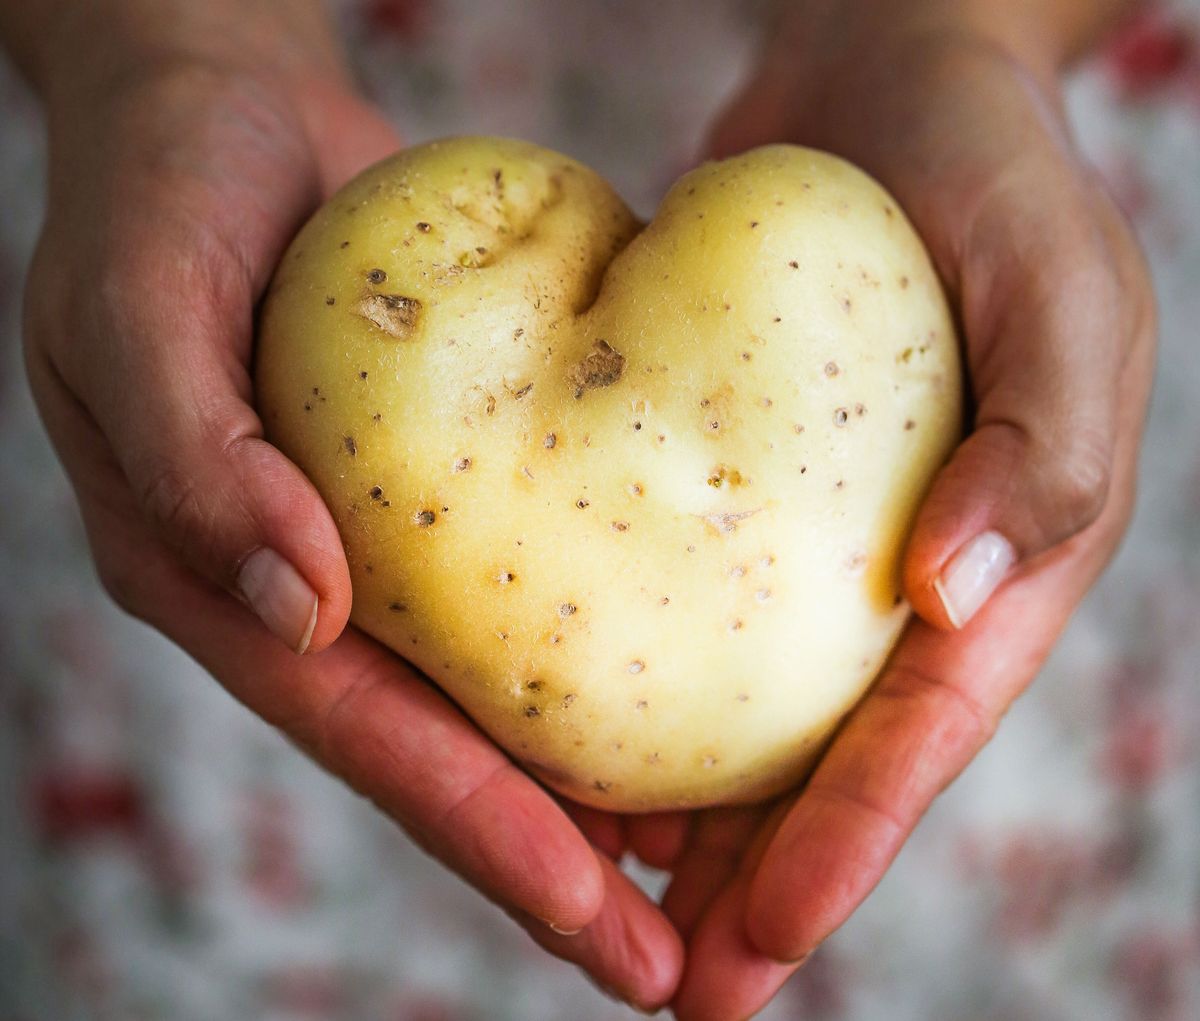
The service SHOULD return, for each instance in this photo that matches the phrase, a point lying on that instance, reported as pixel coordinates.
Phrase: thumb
(190, 445)
(1047, 330)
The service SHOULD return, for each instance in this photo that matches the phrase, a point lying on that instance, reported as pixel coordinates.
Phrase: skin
(182, 159)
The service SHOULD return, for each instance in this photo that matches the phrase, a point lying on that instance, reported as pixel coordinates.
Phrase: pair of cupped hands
(173, 191)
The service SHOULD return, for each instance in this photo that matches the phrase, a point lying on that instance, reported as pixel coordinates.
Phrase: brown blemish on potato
(753, 224)
(636, 489)
(636, 667)
(534, 685)
(583, 503)
(742, 697)
(794, 264)
(640, 704)
(350, 445)
(395, 314)
(603, 786)
(762, 595)
(506, 577)
(376, 276)
(375, 492)
(665, 601)
(532, 711)
(424, 518)
(462, 464)
(653, 759)
(397, 607)
(566, 610)
(840, 417)
(331, 300)
(568, 699)
(831, 369)
(860, 409)
(722, 475)
(620, 526)
(423, 227)
(708, 761)
(909, 425)
(344, 244)
(846, 304)
(362, 373)
(602, 367)
(550, 442)
(736, 625)
(522, 392)
(904, 283)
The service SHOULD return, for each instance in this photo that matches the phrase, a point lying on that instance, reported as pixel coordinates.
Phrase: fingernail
(562, 932)
(973, 574)
(280, 596)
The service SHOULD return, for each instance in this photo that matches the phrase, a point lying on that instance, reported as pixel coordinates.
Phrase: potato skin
(635, 498)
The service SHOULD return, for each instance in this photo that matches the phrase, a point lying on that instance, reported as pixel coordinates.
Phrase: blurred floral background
(164, 855)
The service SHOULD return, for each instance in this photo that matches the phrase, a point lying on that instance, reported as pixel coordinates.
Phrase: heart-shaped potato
(636, 498)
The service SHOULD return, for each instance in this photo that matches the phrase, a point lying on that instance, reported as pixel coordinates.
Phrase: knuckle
(1081, 487)
(173, 503)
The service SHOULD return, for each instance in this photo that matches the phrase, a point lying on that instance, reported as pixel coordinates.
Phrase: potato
(634, 497)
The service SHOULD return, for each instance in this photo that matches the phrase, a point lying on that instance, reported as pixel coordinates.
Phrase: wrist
(73, 53)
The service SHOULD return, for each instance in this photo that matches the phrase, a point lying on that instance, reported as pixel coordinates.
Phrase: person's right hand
(175, 184)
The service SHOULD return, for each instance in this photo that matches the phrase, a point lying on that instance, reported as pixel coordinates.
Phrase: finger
(1048, 329)
(605, 830)
(630, 950)
(936, 705)
(715, 846)
(162, 372)
(658, 839)
(357, 709)
(726, 975)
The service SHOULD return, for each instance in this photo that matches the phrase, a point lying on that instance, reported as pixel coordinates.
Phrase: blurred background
(164, 855)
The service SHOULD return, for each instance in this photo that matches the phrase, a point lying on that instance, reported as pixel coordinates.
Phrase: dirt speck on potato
(602, 367)
(395, 314)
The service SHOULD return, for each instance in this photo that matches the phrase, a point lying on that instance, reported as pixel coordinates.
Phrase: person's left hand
(1058, 322)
